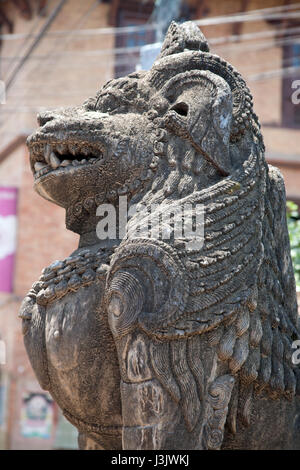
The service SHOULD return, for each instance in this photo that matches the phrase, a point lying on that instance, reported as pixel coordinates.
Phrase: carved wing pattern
(231, 293)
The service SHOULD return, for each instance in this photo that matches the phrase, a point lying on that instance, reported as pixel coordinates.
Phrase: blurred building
(57, 53)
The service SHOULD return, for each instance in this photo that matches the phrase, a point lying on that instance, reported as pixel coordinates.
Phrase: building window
(135, 13)
(132, 13)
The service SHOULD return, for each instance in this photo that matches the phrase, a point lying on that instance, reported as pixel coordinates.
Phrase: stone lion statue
(151, 342)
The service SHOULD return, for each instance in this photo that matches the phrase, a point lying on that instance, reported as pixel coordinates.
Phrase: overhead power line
(281, 72)
(219, 42)
(45, 27)
(275, 13)
(20, 48)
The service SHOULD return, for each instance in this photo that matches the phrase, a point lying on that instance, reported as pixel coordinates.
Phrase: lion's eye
(106, 103)
(181, 108)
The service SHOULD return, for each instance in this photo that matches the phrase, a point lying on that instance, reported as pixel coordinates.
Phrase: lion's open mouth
(49, 156)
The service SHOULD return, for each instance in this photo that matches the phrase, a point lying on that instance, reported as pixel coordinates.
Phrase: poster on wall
(37, 415)
(8, 231)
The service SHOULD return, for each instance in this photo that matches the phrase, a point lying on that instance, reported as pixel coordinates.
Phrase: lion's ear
(202, 112)
(215, 141)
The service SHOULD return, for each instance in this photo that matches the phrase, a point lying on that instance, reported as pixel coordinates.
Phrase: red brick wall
(42, 236)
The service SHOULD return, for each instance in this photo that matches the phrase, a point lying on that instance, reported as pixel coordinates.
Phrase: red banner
(8, 232)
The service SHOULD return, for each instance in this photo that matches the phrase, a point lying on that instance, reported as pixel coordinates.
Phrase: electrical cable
(46, 25)
(136, 49)
(219, 42)
(282, 72)
(26, 40)
(255, 15)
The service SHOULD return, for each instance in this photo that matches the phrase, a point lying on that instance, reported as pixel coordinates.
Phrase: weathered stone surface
(154, 343)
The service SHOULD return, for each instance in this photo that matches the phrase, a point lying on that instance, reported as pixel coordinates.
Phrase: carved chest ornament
(147, 343)
(69, 275)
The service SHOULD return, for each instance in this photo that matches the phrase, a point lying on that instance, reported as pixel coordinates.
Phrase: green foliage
(293, 220)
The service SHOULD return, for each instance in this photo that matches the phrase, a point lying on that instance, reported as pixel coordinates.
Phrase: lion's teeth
(61, 148)
(75, 162)
(39, 165)
(54, 161)
(84, 151)
(48, 151)
(65, 163)
(72, 149)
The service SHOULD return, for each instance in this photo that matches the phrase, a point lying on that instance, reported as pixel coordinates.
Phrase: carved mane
(232, 295)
